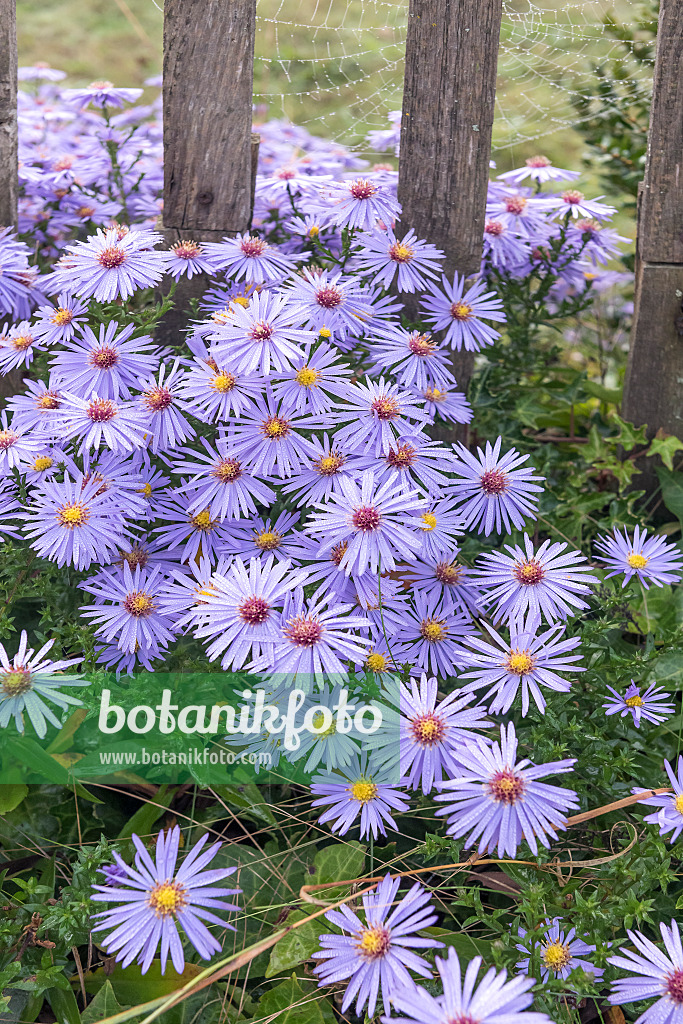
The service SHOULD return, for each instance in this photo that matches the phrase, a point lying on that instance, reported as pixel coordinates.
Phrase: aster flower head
(414, 461)
(440, 526)
(651, 705)
(101, 94)
(157, 900)
(109, 363)
(251, 259)
(100, 422)
(187, 258)
(73, 523)
(572, 203)
(498, 800)
(653, 974)
(261, 337)
(409, 260)
(269, 437)
(538, 168)
(494, 492)
(216, 393)
(379, 414)
(37, 409)
(415, 357)
(312, 381)
(18, 346)
(461, 313)
(358, 789)
(328, 465)
(18, 445)
(669, 814)
(503, 248)
(496, 1000)
(372, 521)
(257, 537)
(560, 952)
(447, 404)
(332, 302)
(126, 609)
(441, 575)
(188, 527)
(221, 482)
(359, 203)
(377, 954)
(430, 633)
(57, 323)
(545, 581)
(649, 559)
(109, 266)
(527, 661)
(28, 680)
(160, 403)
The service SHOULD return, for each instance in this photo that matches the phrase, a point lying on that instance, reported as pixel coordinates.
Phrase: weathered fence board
(8, 113)
(448, 107)
(653, 391)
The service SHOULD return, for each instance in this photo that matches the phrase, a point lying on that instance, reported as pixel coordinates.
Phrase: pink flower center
(674, 985)
(254, 611)
(157, 399)
(338, 552)
(515, 204)
(493, 481)
(7, 439)
(401, 457)
(362, 189)
(303, 632)
(253, 246)
(529, 573)
(448, 573)
(421, 345)
(104, 358)
(329, 297)
(572, 197)
(187, 250)
(285, 174)
(101, 410)
(261, 331)
(111, 257)
(494, 227)
(366, 518)
(538, 161)
(505, 787)
(385, 408)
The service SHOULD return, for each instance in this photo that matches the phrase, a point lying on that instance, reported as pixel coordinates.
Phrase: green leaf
(334, 863)
(295, 947)
(294, 1002)
(131, 986)
(249, 799)
(629, 435)
(672, 490)
(28, 753)
(12, 796)
(466, 946)
(666, 447)
(144, 818)
(105, 1004)
(62, 740)
(64, 1005)
(610, 395)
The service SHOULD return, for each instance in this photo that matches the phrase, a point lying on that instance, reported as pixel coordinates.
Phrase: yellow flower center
(363, 791)
(167, 898)
(325, 332)
(268, 540)
(241, 300)
(62, 317)
(223, 382)
(374, 942)
(307, 377)
(401, 253)
(428, 521)
(432, 630)
(637, 561)
(376, 662)
(147, 490)
(72, 515)
(16, 681)
(202, 520)
(319, 721)
(556, 956)
(634, 702)
(43, 462)
(519, 663)
(461, 311)
(678, 804)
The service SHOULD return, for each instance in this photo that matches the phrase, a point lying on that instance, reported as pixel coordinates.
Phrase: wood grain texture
(8, 113)
(661, 218)
(208, 84)
(448, 106)
(653, 390)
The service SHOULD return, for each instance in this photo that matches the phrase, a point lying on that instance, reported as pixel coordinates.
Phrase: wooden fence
(448, 106)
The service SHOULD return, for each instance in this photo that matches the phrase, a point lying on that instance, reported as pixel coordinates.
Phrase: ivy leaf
(665, 446)
(334, 863)
(629, 435)
(672, 490)
(295, 947)
(294, 1002)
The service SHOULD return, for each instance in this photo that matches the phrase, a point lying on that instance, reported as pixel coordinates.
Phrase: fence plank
(8, 113)
(208, 84)
(448, 106)
(653, 391)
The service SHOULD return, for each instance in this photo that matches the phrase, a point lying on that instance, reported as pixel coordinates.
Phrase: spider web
(336, 66)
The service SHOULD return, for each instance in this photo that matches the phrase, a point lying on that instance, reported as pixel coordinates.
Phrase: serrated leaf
(666, 447)
(630, 436)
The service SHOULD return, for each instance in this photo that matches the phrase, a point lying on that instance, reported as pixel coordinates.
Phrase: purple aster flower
(262, 337)
(650, 560)
(669, 814)
(221, 483)
(313, 639)
(313, 378)
(656, 975)
(440, 527)
(160, 402)
(28, 680)
(543, 582)
(37, 410)
(18, 445)
(597, 243)
(97, 421)
(189, 258)
(109, 266)
(372, 521)
(113, 658)
(538, 168)
(332, 302)
(252, 259)
(46, 463)
(155, 898)
(500, 802)
(17, 347)
(527, 661)
(573, 203)
(73, 523)
(17, 277)
(561, 952)
(257, 537)
(460, 313)
(379, 414)
(410, 260)
(187, 531)
(101, 94)
(328, 465)
(449, 405)
(358, 789)
(377, 955)
(40, 72)
(268, 437)
(495, 1001)
(652, 705)
(493, 492)
(9, 509)
(443, 576)
(58, 322)
(521, 212)
(214, 392)
(186, 586)
(431, 731)
(358, 204)
(414, 358)
(241, 609)
(108, 364)
(126, 609)
(503, 248)
(413, 462)
(430, 634)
